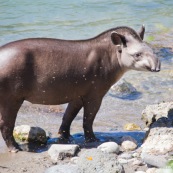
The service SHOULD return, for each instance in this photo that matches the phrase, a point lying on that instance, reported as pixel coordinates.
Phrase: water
(80, 19)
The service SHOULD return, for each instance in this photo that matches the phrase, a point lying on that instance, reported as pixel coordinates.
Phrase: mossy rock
(26, 133)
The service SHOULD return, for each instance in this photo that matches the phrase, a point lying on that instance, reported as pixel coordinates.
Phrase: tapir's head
(132, 51)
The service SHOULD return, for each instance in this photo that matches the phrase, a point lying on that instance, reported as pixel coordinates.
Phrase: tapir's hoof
(14, 150)
(93, 139)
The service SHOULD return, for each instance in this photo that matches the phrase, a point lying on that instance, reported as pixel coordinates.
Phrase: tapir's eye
(137, 56)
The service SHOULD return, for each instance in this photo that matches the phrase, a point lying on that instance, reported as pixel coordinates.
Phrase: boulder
(66, 168)
(94, 161)
(153, 112)
(159, 139)
(26, 133)
(109, 147)
(61, 151)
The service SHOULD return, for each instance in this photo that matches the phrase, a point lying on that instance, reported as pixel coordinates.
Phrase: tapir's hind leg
(72, 110)
(8, 113)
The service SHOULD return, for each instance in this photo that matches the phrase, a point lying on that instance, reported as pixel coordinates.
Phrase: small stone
(137, 162)
(122, 161)
(125, 156)
(109, 147)
(128, 146)
(60, 151)
(152, 170)
(131, 127)
(74, 159)
(136, 154)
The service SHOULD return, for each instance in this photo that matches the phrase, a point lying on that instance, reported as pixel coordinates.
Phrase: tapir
(78, 72)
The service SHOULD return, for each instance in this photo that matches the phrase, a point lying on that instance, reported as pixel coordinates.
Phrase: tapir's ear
(141, 32)
(118, 39)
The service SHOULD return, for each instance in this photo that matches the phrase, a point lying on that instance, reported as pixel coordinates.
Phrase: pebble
(109, 147)
(125, 156)
(128, 146)
(152, 170)
(137, 162)
(74, 159)
(136, 154)
(122, 161)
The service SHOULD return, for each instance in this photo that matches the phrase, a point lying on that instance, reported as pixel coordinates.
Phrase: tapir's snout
(157, 66)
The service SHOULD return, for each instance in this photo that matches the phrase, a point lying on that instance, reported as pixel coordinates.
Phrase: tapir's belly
(58, 93)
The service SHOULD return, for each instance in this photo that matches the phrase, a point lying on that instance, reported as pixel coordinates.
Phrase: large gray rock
(26, 133)
(109, 147)
(158, 143)
(61, 151)
(154, 112)
(95, 161)
(67, 168)
(159, 139)
(158, 161)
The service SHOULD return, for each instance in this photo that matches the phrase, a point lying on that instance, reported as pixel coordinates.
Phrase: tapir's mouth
(152, 69)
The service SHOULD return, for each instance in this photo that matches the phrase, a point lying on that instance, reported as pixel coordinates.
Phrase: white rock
(109, 147)
(136, 154)
(157, 111)
(125, 156)
(128, 146)
(122, 161)
(74, 159)
(137, 162)
(152, 170)
(160, 138)
(26, 133)
(60, 151)
(139, 172)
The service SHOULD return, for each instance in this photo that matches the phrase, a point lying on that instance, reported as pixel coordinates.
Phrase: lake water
(80, 19)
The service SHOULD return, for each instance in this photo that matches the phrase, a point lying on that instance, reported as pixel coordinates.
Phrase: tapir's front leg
(91, 108)
(8, 113)
(72, 110)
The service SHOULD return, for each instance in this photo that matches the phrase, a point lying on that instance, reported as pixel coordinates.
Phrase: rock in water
(154, 112)
(60, 151)
(109, 147)
(131, 127)
(122, 89)
(95, 161)
(26, 133)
